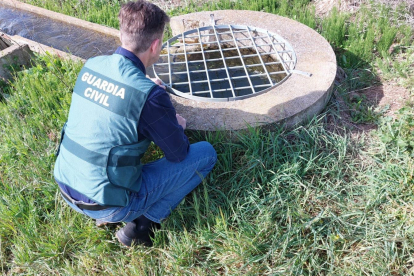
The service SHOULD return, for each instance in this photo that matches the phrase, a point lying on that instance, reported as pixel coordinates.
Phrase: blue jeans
(164, 185)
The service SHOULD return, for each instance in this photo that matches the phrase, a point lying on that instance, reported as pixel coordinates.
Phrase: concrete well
(295, 100)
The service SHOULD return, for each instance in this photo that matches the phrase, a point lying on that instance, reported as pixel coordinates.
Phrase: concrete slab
(4, 42)
(13, 58)
(43, 49)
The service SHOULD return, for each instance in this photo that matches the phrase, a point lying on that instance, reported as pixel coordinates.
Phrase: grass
(313, 200)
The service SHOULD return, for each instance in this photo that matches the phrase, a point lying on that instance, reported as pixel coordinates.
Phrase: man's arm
(160, 123)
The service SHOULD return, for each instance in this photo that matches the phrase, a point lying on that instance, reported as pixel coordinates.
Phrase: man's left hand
(159, 82)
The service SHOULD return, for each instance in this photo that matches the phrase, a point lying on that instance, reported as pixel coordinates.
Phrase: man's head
(141, 24)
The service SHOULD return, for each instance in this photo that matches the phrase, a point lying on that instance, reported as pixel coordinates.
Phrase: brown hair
(141, 23)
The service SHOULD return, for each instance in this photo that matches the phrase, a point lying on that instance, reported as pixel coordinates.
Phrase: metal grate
(224, 62)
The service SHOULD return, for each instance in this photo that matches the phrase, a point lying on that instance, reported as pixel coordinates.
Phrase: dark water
(75, 40)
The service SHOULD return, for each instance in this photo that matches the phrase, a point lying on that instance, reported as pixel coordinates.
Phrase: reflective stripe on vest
(97, 158)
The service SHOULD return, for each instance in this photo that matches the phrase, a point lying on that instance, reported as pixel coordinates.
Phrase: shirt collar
(132, 57)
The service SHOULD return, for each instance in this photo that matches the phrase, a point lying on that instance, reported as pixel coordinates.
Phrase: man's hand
(159, 82)
(181, 121)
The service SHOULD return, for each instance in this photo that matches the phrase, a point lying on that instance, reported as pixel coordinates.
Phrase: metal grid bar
(205, 63)
(188, 70)
(277, 53)
(260, 57)
(179, 45)
(234, 78)
(232, 57)
(169, 64)
(238, 77)
(221, 69)
(224, 61)
(290, 53)
(226, 49)
(229, 89)
(219, 59)
(241, 58)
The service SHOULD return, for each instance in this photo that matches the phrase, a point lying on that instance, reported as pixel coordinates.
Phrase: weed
(399, 67)
(4, 88)
(334, 28)
(351, 91)
(399, 133)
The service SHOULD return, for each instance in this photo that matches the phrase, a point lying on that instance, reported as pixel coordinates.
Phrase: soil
(167, 5)
(388, 96)
(323, 7)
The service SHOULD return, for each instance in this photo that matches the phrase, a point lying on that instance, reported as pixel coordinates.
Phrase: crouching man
(114, 115)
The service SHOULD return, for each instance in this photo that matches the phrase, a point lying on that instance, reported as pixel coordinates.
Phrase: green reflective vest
(99, 155)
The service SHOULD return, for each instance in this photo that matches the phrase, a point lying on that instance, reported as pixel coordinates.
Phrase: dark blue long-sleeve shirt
(157, 123)
(158, 120)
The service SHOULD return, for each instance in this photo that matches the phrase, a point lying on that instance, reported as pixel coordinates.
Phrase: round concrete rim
(294, 101)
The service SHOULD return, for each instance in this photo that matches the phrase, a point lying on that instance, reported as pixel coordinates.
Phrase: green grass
(313, 200)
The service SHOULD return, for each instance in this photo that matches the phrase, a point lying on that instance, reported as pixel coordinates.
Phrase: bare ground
(388, 94)
(167, 5)
(388, 97)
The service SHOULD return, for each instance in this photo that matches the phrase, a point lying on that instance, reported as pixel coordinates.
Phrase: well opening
(224, 62)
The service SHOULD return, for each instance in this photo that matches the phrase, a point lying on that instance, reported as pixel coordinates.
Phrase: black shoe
(139, 231)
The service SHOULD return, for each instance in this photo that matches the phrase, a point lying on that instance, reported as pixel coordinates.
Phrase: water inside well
(75, 40)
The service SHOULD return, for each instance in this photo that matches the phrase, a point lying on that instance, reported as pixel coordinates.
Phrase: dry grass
(323, 7)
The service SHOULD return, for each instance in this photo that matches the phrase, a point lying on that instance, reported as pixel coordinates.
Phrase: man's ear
(154, 45)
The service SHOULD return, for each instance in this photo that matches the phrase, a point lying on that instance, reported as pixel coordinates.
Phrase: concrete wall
(14, 58)
(4, 43)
